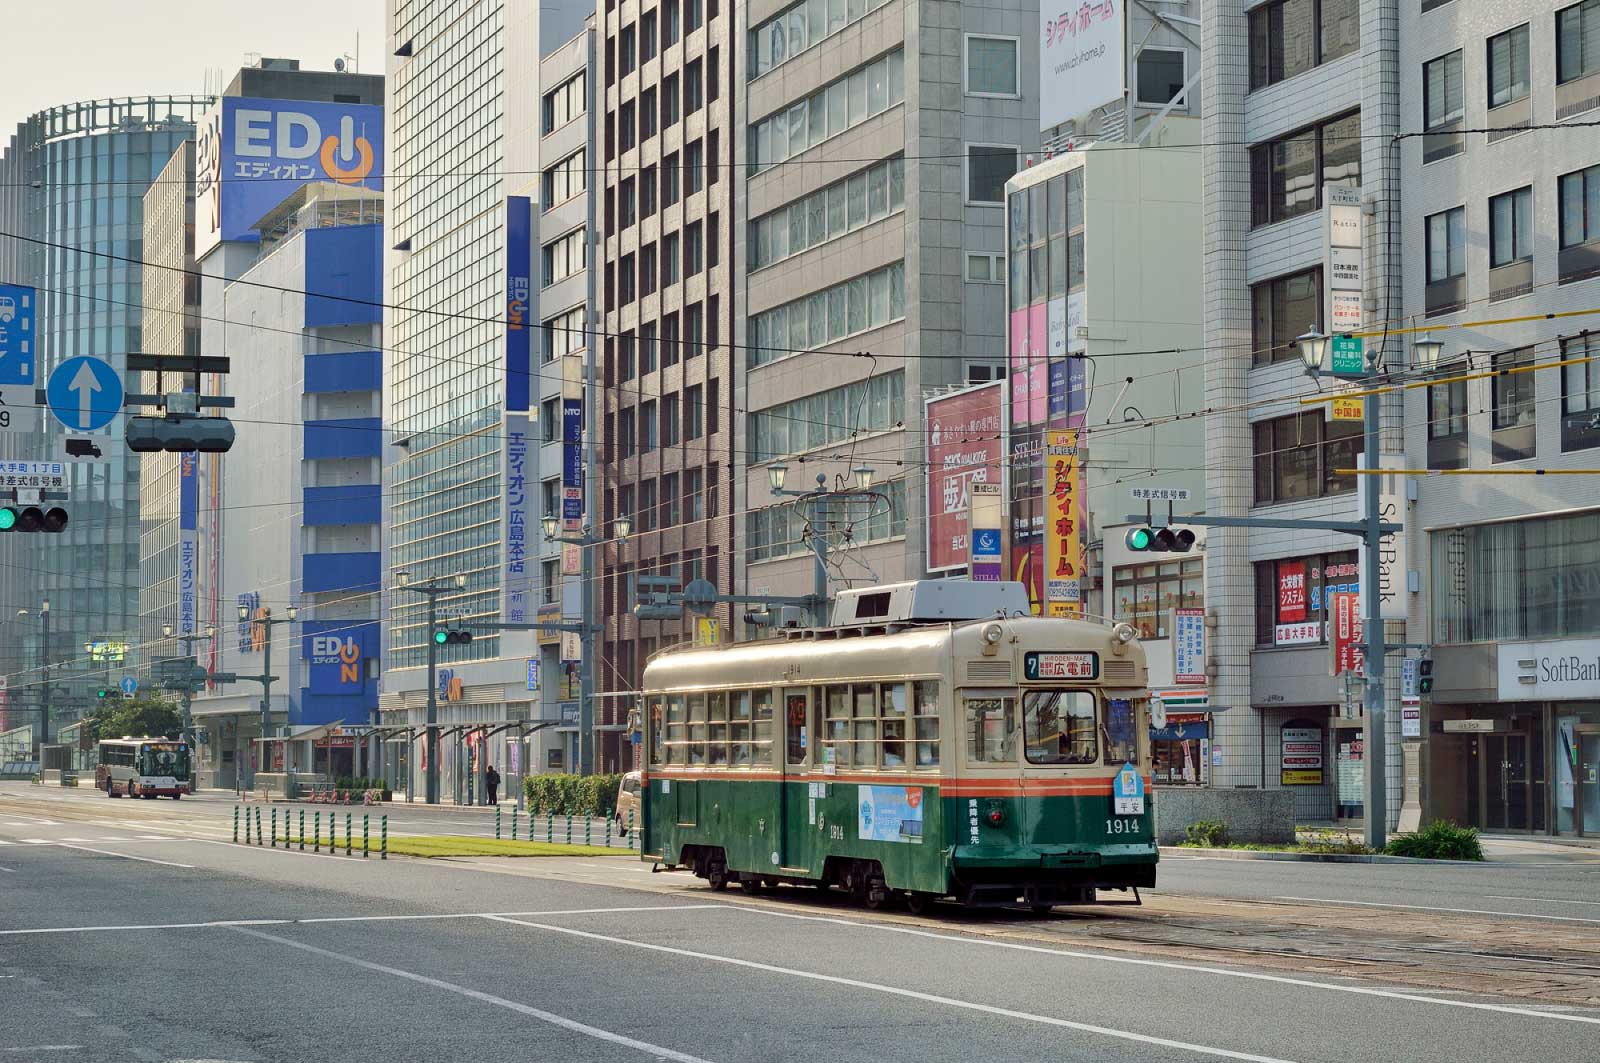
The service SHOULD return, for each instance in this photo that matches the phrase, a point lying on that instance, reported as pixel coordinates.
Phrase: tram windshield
(1059, 727)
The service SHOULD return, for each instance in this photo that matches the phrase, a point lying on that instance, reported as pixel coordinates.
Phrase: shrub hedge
(579, 795)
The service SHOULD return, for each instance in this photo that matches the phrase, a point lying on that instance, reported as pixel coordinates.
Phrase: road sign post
(84, 393)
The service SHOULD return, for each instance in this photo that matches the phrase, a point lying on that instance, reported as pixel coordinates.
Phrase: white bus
(144, 767)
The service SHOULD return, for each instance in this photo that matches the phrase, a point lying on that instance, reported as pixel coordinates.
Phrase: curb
(1314, 858)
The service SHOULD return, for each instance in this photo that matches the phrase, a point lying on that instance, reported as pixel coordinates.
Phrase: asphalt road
(124, 941)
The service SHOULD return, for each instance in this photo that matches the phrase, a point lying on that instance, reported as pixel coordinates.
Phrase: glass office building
(75, 177)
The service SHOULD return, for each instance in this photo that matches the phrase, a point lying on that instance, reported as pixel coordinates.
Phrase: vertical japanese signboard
(1291, 592)
(1301, 754)
(1341, 263)
(1189, 646)
(519, 296)
(517, 576)
(1392, 559)
(188, 540)
(518, 566)
(572, 426)
(964, 449)
(986, 512)
(1345, 634)
(1062, 547)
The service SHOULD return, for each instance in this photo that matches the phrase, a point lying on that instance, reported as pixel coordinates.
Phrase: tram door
(793, 832)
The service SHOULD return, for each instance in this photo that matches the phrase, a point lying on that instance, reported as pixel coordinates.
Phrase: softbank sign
(251, 155)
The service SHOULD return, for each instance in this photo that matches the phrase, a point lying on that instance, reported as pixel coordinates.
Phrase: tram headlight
(1121, 635)
(991, 635)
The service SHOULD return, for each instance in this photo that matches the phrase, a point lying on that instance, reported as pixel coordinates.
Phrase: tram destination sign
(1053, 664)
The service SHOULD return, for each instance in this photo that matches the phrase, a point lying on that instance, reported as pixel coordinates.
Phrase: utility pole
(819, 543)
(44, 723)
(587, 627)
(188, 684)
(430, 741)
(268, 621)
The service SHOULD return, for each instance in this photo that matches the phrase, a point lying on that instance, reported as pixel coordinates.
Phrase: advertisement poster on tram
(1062, 540)
(964, 448)
(890, 814)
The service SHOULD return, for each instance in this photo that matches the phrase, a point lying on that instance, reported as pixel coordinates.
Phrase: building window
(647, 269)
(1293, 596)
(647, 191)
(989, 167)
(713, 75)
(647, 114)
(627, 440)
(550, 415)
(1145, 595)
(1281, 310)
(693, 87)
(669, 420)
(796, 28)
(625, 279)
(565, 179)
(671, 24)
(986, 267)
(1299, 456)
(647, 347)
(992, 65)
(1287, 175)
(713, 421)
(1442, 108)
(983, 372)
(1447, 422)
(565, 102)
(694, 508)
(1292, 36)
(669, 259)
(550, 495)
(625, 124)
(669, 506)
(627, 207)
(625, 49)
(1508, 67)
(844, 206)
(647, 506)
(693, 331)
(1162, 75)
(669, 100)
(1511, 244)
(647, 427)
(1513, 409)
(564, 256)
(1446, 250)
(625, 353)
(1580, 392)
(693, 412)
(694, 167)
(1579, 194)
(694, 250)
(827, 417)
(562, 334)
(1577, 42)
(647, 36)
(1528, 579)
(816, 320)
(550, 578)
(847, 102)
(670, 174)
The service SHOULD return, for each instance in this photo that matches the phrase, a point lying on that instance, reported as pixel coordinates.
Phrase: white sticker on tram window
(666, 786)
(813, 811)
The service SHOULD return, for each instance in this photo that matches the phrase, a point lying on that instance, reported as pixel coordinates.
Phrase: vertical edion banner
(188, 539)
(519, 296)
(1081, 49)
(964, 448)
(517, 575)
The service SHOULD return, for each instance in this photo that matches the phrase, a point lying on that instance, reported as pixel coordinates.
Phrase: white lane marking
(486, 998)
(9, 870)
(929, 998)
(353, 919)
(1541, 900)
(1172, 965)
(1431, 908)
(44, 1048)
(125, 856)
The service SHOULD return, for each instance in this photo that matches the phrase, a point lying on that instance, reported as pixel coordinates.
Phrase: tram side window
(739, 727)
(991, 731)
(717, 751)
(763, 727)
(658, 734)
(1119, 733)
(836, 724)
(927, 724)
(697, 728)
(864, 740)
(892, 699)
(794, 710)
(677, 730)
(1059, 727)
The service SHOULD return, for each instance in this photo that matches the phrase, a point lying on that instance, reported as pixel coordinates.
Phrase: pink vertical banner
(1038, 364)
(1019, 367)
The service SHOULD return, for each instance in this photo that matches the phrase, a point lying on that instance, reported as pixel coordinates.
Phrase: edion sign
(252, 154)
(344, 652)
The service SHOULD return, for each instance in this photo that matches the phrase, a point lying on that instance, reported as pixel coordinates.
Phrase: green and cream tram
(935, 741)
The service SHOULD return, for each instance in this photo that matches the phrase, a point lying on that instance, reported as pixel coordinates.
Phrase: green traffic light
(8, 518)
(100, 693)
(441, 637)
(1139, 539)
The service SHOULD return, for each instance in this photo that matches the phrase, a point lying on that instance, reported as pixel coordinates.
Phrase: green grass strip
(430, 846)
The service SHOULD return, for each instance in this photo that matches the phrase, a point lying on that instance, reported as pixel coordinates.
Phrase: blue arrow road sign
(16, 334)
(84, 393)
(130, 685)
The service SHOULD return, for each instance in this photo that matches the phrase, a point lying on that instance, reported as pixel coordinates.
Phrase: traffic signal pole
(44, 723)
(430, 739)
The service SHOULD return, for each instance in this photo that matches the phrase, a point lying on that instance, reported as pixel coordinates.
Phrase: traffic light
(179, 434)
(32, 519)
(1147, 540)
(452, 636)
(1425, 676)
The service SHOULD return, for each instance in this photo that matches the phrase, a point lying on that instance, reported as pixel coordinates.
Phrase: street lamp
(864, 474)
(1313, 348)
(775, 476)
(1427, 350)
(863, 477)
(431, 590)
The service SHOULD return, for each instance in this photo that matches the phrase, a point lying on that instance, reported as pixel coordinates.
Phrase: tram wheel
(717, 875)
(751, 886)
(918, 903)
(876, 896)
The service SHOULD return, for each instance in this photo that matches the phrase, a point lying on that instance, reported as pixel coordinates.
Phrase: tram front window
(991, 734)
(1059, 727)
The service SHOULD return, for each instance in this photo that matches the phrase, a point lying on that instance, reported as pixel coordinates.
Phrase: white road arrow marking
(86, 384)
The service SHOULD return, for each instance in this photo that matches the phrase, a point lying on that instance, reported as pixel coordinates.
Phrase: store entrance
(1588, 782)
(1506, 779)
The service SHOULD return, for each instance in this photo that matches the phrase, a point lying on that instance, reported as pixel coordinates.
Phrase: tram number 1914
(1119, 825)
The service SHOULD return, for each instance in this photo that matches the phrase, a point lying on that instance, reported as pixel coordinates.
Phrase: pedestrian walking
(491, 780)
